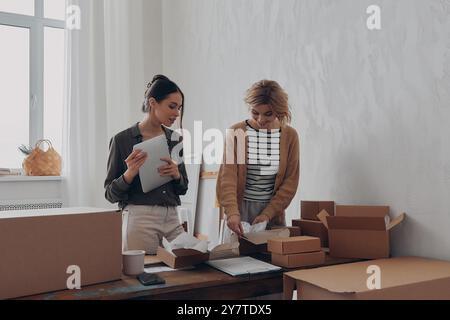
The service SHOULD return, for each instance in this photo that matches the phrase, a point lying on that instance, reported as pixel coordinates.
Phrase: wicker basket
(42, 163)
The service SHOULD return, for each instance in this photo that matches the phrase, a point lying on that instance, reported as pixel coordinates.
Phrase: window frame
(36, 25)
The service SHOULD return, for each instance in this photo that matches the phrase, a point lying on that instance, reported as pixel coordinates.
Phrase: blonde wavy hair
(271, 93)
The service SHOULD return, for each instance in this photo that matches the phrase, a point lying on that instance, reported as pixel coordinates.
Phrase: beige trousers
(144, 227)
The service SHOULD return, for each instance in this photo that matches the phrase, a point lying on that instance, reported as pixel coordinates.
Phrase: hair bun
(156, 78)
(159, 77)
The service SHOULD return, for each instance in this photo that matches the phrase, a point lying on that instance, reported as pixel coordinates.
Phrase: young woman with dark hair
(148, 216)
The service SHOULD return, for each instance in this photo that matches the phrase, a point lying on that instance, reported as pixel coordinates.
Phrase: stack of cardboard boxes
(363, 232)
(296, 252)
(349, 231)
(310, 223)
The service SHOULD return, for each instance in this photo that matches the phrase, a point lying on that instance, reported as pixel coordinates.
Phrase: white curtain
(106, 78)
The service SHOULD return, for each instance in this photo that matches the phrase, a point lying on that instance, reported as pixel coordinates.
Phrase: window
(31, 75)
(55, 9)
(18, 6)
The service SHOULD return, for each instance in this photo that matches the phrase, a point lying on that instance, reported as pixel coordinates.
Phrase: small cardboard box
(299, 259)
(293, 245)
(293, 231)
(257, 242)
(403, 278)
(39, 247)
(364, 237)
(181, 258)
(310, 209)
(313, 229)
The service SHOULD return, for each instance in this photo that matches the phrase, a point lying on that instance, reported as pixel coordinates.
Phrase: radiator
(8, 205)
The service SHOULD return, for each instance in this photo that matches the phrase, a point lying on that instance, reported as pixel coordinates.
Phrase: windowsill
(29, 178)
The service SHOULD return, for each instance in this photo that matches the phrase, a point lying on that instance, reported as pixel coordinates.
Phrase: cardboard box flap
(181, 252)
(263, 236)
(396, 221)
(362, 211)
(356, 223)
(323, 217)
(354, 277)
(225, 250)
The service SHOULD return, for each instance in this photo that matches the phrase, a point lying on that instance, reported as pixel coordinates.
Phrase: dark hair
(159, 89)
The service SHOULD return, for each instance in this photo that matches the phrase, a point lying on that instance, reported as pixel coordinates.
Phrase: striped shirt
(263, 157)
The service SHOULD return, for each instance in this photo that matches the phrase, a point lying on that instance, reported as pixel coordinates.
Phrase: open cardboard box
(256, 242)
(358, 211)
(181, 258)
(359, 231)
(310, 209)
(400, 278)
(189, 257)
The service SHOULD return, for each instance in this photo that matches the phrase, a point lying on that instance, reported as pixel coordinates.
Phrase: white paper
(163, 269)
(248, 228)
(242, 266)
(185, 241)
(230, 237)
(258, 227)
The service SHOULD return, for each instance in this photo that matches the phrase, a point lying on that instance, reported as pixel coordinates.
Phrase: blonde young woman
(262, 187)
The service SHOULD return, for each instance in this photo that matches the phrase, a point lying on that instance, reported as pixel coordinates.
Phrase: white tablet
(156, 148)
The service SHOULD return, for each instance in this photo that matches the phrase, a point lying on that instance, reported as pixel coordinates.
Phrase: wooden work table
(200, 283)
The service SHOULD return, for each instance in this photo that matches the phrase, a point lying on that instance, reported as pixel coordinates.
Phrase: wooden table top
(201, 282)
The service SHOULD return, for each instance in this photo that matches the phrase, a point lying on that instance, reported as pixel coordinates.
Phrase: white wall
(133, 54)
(146, 46)
(372, 107)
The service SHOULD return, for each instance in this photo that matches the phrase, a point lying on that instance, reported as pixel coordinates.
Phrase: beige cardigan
(232, 177)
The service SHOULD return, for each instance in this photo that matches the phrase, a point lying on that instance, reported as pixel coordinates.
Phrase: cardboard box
(293, 245)
(403, 278)
(299, 259)
(310, 209)
(181, 258)
(313, 229)
(359, 236)
(293, 231)
(358, 211)
(257, 242)
(38, 246)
